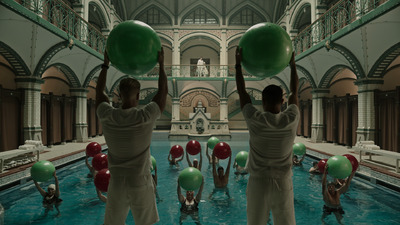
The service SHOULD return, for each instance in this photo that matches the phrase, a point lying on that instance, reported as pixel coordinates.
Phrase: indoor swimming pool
(364, 203)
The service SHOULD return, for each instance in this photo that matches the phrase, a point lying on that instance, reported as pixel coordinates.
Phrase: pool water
(363, 203)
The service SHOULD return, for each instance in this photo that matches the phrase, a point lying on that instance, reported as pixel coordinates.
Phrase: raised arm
(346, 186)
(302, 158)
(181, 198)
(198, 196)
(208, 155)
(169, 157)
(240, 85)
(161, 97)
(88, 165)
(294, 82)
(201, 160)
(180, 159)
(213, 166)
(228, 168)
(155, 176)
(101, 82)
(41, 191)
(101, 196)
(324, 180)
(57, 194)
(188, 160)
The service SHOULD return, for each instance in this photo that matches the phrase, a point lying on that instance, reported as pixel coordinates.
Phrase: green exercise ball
(299, 149)
(212, 141)
(266, 49)
(132, 47)
(42, 171)
(190, 179)
(339, 167)
(153, 162)
(241, 158)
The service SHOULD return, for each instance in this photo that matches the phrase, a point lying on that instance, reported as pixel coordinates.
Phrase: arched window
(154, 16)
(246, 16)
(199, 16)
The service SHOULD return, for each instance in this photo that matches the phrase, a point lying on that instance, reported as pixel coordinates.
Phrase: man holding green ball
(127, 131)
(272, 133)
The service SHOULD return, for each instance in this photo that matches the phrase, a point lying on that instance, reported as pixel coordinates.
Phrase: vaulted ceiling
(271, 9)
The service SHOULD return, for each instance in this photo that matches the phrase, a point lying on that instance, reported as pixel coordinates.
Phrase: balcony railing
(65, 18)
(340, 15)
(208, 71)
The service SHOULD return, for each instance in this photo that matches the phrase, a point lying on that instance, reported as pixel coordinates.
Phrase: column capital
(82, 92)
(365, 85)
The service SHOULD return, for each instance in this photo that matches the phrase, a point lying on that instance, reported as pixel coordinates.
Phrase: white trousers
(265, 195)
(135, 193)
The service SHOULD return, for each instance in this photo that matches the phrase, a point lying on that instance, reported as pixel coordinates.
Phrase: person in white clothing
(127, 131)
(272, 133)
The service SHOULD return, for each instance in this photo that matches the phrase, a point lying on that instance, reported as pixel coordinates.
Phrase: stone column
(81, 126)
(317, 126)
(175, 109)
(366, 108)
(31, 88)
(176, 55)
(223, 114)
(223, 56)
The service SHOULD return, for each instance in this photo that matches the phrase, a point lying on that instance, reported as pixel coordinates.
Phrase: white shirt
(271, 141)
(128, 135)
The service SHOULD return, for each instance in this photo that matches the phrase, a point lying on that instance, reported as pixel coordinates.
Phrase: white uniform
(128, 135)
(270, 186)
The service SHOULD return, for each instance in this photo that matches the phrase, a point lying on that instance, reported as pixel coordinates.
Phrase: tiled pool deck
(70, 152)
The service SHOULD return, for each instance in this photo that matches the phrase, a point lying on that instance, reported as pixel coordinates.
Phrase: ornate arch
(150, 4)
(201, 4)
(69, 74)
(102, 13)
(211, 96)
(16, 62)
(378, 70)
(90, 76)
(307, 75)
(351, 58)
(258, 19)
(145, 12)
(330, 74)
(298, 12)
(234, 37)
(47, 56)
(190, 36)
(252, 6)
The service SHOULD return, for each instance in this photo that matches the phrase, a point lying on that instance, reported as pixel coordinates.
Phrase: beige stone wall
(190, 100)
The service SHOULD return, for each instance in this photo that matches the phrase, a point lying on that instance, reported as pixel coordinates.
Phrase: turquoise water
(363, 203)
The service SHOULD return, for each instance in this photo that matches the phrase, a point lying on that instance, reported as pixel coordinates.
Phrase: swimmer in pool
(174, 161)
(314, 168)
(238, 169)
(90, 167)
(210, 158)
(331, 197)
(189, 205)
(51, 197)
(296, 161)
(196, 164)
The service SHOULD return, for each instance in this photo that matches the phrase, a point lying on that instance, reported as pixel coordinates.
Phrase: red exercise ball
(222, 150)
(321, 165)
(93, 149)
(102, 179)
(193, 147)
(100, 161)
(353, 161)
(176, 151)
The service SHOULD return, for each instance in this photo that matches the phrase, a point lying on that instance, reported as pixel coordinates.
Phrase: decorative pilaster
(31, 88)
(223, 114)
(366, 109)
(176, 55)
(317, 122)
(175, 109)
(223, 56)
(81, 126)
